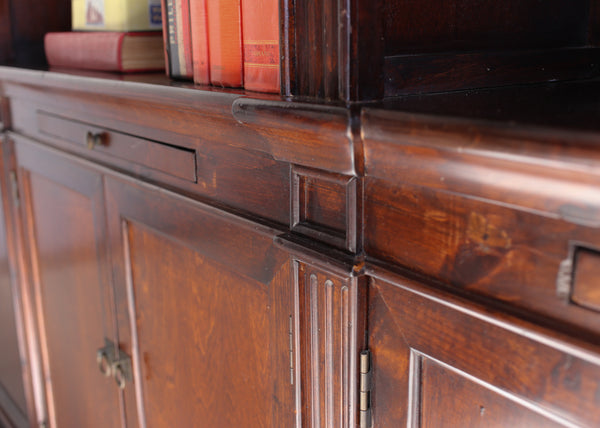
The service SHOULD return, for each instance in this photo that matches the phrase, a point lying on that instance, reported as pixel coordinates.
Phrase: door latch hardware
(113, 361)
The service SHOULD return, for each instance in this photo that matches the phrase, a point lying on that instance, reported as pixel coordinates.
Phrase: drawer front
(172, 160)
(181, 148)
(512, 220)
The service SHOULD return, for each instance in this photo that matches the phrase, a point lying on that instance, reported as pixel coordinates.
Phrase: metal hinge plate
(365, 389)
(14, 187)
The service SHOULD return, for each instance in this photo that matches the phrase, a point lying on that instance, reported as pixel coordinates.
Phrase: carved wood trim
(330, 314)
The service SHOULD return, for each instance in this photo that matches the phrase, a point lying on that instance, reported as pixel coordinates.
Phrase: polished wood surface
(451, 363)
(13, 402)
(24, 23)
(457, 247)
(480, 210)
(70, 280)
(203, 305)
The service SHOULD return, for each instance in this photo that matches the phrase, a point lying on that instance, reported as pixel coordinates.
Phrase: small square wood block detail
(325, 207)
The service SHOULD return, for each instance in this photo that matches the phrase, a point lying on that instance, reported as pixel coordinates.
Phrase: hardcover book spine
(225, 43)
(260, 23)
(178, 43)
(185, 40)
(116, 15)
(199, 41)
(92, 51)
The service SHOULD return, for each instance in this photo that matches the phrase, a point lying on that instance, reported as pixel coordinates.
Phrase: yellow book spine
(116, 15)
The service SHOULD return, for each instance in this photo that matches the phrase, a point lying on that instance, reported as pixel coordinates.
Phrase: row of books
(230, 43)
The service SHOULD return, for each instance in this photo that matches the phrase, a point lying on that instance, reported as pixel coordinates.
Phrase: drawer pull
(94, 139)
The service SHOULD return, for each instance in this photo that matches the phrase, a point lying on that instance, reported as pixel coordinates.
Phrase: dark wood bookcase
(363, 50)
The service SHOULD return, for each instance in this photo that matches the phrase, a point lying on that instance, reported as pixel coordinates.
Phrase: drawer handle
(94, 139)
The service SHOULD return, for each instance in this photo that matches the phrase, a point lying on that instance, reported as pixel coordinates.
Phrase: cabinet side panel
(11, 371)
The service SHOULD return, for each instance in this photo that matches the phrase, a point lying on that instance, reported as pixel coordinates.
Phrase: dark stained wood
(470, 25)
(168, 159)
(224, 149)
(13, 402)
(338, 49)
(409, 74)
(326, 207)
(65, 232)
(29, 22)
(328, 327)
(241, 297)
(387, 48)
(305, 134)
(6, 48)
(560, 106)
(203, 302)
(475, 208)
(442, 360)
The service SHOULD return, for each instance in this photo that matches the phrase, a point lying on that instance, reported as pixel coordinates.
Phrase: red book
(105, 51)
(225, 42)
(177, 38)
(260, 22)
(199, 41)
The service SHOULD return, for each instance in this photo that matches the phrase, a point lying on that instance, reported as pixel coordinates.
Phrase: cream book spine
(116, 15)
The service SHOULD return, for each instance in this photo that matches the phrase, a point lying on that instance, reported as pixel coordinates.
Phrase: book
(225, 43)
(116, 15)
(177, 38)
(260, 23)
(105, 51)
(199, 41)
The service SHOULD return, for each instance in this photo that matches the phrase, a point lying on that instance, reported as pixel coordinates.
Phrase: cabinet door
(439, 361)
(13, 405)
(203, 302)
(64, 222)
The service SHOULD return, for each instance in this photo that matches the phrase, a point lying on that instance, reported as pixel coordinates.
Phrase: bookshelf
(395, 48)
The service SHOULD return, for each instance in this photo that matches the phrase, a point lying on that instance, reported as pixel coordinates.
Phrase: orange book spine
(260, 22)
(199, 41)
(225, 42)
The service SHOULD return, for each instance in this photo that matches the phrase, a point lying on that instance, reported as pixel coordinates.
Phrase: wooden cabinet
(454, 363)
(13, 402)
(65, 234)
(232, 259)
(199, 313)
(203, 303)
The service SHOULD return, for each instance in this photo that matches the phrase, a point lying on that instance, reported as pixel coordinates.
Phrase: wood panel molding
(329, 320)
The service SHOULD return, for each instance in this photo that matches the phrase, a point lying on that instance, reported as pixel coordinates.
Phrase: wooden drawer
(514, 218)
(179, 162)
(181, 148)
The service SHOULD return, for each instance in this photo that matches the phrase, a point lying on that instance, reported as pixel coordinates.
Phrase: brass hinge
(365, 389)
(291, 349)
(14, 187)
